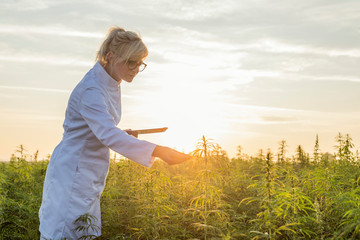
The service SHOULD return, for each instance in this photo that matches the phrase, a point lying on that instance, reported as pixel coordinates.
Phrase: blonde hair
(125, 45)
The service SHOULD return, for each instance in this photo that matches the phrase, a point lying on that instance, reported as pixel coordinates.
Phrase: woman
(78, 167)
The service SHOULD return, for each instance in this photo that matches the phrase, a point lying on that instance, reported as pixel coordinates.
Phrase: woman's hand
(169, 155)
(131, 132)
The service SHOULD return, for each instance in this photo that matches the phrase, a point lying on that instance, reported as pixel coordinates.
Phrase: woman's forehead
(136, 59)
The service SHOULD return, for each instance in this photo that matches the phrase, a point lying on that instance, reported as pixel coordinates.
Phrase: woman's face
(119, 70)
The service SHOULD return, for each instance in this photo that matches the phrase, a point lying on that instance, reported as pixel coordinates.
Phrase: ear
(109, 56)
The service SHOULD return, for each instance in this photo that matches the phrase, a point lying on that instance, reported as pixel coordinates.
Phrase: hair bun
(116, 30)
(126, 36)
(125, 44)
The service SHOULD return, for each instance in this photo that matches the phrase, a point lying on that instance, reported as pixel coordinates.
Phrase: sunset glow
(247, 74)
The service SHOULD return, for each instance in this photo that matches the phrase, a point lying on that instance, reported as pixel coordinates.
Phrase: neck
(109, 71)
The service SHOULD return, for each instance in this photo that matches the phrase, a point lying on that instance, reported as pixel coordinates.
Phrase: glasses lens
(133, 65)
(142, 67)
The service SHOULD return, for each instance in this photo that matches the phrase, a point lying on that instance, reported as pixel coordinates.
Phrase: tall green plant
(316, 153)
(208, 204)
(269, 221)
(282, 151)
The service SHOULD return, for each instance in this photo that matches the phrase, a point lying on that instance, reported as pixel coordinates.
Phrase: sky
(240, 72)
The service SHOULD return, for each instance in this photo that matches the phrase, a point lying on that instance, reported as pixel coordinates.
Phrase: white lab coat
(78, 167)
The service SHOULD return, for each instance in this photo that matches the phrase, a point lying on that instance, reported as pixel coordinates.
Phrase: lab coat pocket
(92, 170)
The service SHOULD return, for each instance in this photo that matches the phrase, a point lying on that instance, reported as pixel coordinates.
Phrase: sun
(188, 113)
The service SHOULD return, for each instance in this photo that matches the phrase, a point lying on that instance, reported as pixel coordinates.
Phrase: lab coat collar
(105, 77)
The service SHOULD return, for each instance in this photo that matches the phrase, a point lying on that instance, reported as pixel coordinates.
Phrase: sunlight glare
(190, 108)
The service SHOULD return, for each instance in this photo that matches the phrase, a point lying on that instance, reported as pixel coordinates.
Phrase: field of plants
(269, 196)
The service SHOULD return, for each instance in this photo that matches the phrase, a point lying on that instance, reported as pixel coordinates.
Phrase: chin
(129, 79)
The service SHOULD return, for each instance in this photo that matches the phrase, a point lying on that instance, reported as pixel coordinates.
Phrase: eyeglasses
(132, 65)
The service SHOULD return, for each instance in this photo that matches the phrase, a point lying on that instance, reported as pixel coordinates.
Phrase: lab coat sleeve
(93, 109)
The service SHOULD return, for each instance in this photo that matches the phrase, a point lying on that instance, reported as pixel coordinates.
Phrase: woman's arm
(169, 155)
(93, 108)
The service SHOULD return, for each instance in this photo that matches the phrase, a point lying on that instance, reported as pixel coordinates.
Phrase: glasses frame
(141, 65)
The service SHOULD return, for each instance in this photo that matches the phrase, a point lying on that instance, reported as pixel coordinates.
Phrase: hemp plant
(208, 203)
(269, 222)
(86, 224)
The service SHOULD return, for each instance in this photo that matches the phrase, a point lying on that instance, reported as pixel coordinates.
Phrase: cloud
(306, 94)
(189, 10)
(24, 5)
(291, 22)
(276, 46)
(12, 116)
(21, 58)
(255, 63)
(35, 89)
(266, 120)
(338, 78)
(55, 30)
(278, 120)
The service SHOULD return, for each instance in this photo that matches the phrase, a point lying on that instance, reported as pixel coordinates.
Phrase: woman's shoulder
(89, 81)
(87, 84)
